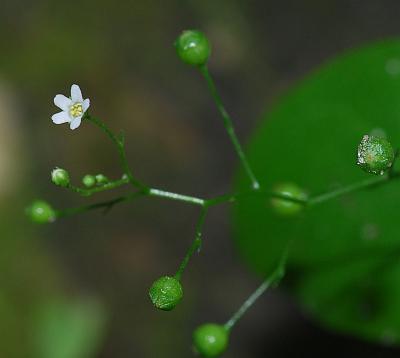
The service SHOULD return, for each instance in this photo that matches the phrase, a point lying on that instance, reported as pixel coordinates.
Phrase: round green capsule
(193, 47)
(210, 339)
(41, 212)
(60, 177)
(89, 180)
(166, 293)
(375, 155)
(287, 207)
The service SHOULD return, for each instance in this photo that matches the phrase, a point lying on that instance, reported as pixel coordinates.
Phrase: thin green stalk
(367, 183)
(195, 246)
(313, 200)
(107, 186)
(106, 205)
(272, 280)
(143, 192)
(229, 126)
(120, 143)
(175, 196)
(230, 198)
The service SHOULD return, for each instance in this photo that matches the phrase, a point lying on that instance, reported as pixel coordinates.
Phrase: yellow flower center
(76, 110)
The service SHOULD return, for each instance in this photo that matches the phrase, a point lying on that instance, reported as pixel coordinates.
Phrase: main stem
(229, 126)
(175, 196)
(230, 198)
(272, 280)
(145, 190)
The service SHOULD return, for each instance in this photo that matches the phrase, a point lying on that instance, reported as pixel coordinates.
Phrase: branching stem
(230, 198)
(142, 190)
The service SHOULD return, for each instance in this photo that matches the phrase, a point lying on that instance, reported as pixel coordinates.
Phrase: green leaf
(66, 329)
(343, 262)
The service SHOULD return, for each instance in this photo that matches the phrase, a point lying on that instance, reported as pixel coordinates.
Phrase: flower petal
(85, 104)
(62, 102)
(76, 94)
(76, 122)
(60, 118)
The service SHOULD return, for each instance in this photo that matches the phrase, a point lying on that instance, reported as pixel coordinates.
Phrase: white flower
(73, 108)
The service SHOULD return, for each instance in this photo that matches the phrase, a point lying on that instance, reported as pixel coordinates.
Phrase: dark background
(121, 55)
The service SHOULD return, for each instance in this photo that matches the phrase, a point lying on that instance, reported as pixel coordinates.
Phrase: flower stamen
(76, 110)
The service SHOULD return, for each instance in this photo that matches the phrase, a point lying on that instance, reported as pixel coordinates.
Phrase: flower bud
(101, 179)
(375, 155)
(287, 207)
(41, 212)
(60, 177)
(89, 181)
(166, 293)
(210, 339)
(193, 47)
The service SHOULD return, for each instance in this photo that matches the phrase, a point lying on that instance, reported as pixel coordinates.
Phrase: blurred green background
(78, 288)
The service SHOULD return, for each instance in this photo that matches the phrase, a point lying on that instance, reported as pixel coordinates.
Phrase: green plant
(253, 195)
(41, 212)
(166, 293)
(345, 241)
(375, 155)
(210, 339)
(60, 177)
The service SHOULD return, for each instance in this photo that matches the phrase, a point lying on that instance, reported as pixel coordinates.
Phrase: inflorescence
(375, 156)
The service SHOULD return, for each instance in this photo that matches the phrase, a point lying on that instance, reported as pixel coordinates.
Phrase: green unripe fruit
(101, 179)
(89, 181)
(60, 177)
(375, 155)
(210, 339)
(193, 47)
(166, 293)
(286, 207)
(41, 212)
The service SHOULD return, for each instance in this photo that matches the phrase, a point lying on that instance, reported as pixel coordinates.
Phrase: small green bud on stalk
(101, 179)
(166, 293)
(287, 207)
(193, 48)
(89, 180)
(60, 177)
(210, 339)
(41, 212)
(375, 155)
